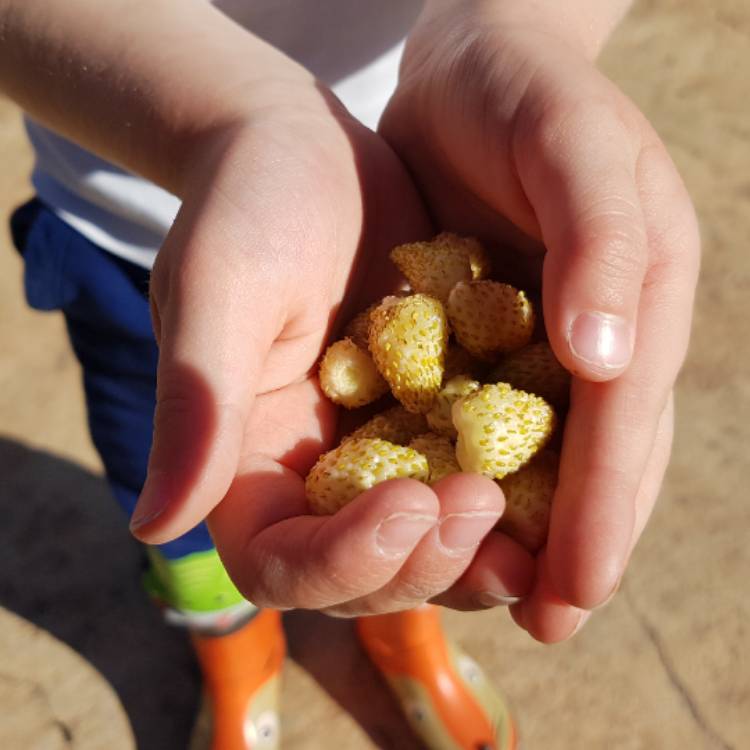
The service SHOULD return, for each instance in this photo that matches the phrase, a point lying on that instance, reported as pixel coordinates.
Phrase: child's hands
(282, 218)
(288, 204)
(288, 207)
(511, 134)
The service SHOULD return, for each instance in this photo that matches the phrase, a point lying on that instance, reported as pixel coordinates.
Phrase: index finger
(611, 426)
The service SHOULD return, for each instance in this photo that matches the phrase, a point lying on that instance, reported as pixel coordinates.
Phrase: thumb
(215, 324)
(579, 175)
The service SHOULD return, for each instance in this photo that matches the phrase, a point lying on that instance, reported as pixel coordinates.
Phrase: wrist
(139, 84)
(243, 116)
(582, 24)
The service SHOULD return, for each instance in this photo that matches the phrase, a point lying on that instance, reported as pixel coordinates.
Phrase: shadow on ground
(327, 649)
(69, 565)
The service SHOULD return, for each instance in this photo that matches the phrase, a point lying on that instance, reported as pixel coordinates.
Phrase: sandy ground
(86, 663)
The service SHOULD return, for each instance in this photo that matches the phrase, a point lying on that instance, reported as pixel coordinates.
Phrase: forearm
(584, 23)
(139, 82)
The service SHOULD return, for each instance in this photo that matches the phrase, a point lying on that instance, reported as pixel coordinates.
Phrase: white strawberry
(439, 417)
(357, 465)
(396, 425)
(408, 339)
(459, 362)
(435, 267)
(358, 328)
(489, 318)
(500, 429)
(440, 455)
(348, 375)
(528, 500)
(535, 369)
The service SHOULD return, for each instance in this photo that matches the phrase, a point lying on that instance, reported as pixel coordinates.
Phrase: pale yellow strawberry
(500, 429)
(348, 375)
(358, 328)
(439, 416)
(459, 362)
(435, 267)
(396, 425)
(528, 500)
(357, 465)
(535, 369)
(440, 455)
(489, 318)
(408, 339)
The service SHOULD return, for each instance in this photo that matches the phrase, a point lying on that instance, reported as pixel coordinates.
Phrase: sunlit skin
(501, 127)
(516, 137)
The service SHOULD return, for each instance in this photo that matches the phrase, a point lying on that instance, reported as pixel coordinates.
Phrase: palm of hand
(283, 225)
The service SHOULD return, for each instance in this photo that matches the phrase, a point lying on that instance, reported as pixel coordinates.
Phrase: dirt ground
(86, 663)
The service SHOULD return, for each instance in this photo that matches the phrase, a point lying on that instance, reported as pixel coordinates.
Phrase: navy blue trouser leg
(104, 300)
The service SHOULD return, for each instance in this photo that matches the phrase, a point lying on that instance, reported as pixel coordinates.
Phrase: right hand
(515, 137)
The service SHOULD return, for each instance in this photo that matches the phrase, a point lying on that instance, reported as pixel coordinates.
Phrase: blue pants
(105, 302)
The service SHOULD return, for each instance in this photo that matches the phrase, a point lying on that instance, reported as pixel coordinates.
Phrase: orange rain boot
(241, 677)
(444, 694)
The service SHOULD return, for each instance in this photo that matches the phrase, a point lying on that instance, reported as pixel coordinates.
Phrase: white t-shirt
(354, 46)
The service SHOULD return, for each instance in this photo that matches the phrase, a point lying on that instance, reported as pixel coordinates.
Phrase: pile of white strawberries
(477, 392)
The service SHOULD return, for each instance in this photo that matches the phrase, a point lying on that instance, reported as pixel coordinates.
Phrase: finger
(501, 574)
(214, 333)
(470, 506)
(611, 427)
(280, 558)
(577, 166)
(544, 614)
(653, 476)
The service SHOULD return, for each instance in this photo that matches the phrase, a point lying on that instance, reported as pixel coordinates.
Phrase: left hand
(286, 221)
(512, 135)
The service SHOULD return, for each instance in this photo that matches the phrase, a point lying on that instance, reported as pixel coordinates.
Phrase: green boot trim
(196, 583)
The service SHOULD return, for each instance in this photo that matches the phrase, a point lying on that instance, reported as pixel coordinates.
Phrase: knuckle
(420, 589)
(268, 585)
(184, 402)
(414, 592)
(280, 585)
(572, 129)
(334, 579)
(564, 120)
(617, 256)
(674, 231)
(178, 414)
(183, 416)
(344, 612)
(174, 403)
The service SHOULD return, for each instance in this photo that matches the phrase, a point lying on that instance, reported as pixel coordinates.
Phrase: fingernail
(610, 597)
(151, 504)
(517, 613)
(584, 618)
(398, 534)
(491, 599)
(462, 531)
(601, 340)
